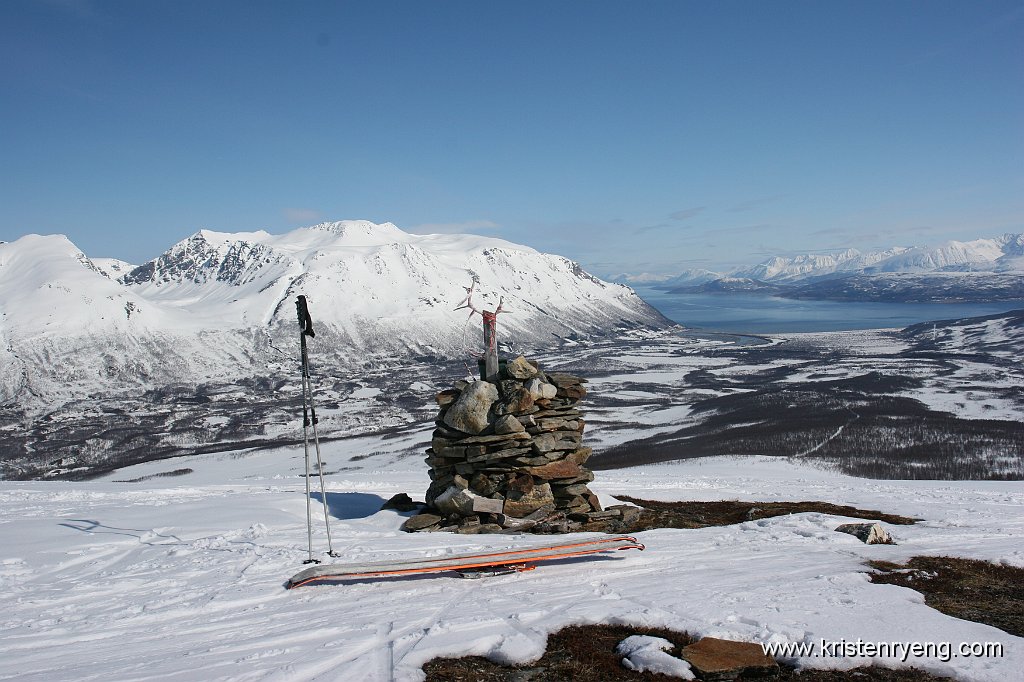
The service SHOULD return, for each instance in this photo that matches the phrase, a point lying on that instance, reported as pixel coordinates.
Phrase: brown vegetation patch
(974, 590)
(658, 514)
(587, 652)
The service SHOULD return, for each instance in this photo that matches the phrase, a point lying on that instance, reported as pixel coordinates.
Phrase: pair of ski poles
(309, 419)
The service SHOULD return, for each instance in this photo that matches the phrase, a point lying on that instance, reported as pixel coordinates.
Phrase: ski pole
(309, 418)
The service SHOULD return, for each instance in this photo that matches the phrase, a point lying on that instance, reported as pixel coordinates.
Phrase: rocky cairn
(507, 457)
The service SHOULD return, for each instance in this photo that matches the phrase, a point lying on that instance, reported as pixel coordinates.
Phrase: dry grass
(724, 513)
(979, 591)
(587, 652)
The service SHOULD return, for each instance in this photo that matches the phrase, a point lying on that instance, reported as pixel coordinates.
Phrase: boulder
(508, 424)
(469, 413)
(520, 368)
(541, 390)
(402, 502)
(869, 533)
(456, 501)
(521, 505)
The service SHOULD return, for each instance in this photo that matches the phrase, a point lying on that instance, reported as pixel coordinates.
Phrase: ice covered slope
(217, 305)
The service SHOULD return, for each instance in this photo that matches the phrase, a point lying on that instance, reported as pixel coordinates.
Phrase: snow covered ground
(181, 578)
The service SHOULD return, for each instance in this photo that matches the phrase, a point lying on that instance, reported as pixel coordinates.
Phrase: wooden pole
(490, 345)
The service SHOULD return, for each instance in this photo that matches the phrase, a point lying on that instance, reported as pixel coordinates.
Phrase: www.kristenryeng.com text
(902, 651)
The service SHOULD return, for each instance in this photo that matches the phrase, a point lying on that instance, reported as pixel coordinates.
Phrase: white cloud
(301, 215)
(469, 226)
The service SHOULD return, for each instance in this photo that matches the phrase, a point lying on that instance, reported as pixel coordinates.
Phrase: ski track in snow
(180, 579)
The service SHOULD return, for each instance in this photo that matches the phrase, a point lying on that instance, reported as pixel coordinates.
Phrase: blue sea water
(738, 313)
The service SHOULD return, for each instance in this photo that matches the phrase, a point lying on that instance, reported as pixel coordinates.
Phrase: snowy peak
(35, 259)
(209, 257)
(362, 232)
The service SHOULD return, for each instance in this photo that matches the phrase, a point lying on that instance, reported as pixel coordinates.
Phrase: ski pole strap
(305, 321)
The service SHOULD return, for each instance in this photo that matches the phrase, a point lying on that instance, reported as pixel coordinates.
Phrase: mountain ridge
(216, 305)
(979, 270)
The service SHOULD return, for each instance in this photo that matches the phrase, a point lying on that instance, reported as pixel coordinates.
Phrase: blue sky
(631, 136)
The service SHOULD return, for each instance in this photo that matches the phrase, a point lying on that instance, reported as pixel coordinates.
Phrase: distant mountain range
(979, 270)
(217, 306)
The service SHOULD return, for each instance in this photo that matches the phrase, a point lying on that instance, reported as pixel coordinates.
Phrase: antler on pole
(490, 332)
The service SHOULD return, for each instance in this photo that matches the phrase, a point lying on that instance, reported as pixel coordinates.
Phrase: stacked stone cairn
(507, 457)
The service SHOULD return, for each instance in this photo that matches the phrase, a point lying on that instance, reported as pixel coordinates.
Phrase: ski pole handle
(305, 321)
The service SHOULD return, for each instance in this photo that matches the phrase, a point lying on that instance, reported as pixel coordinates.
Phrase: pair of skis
(468, 565)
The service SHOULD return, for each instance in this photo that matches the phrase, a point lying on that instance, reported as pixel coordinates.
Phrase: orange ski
(512, 560)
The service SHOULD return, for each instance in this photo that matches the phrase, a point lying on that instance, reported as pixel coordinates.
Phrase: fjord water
(738, 313)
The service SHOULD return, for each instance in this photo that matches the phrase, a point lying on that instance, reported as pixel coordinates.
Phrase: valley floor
(180, 577)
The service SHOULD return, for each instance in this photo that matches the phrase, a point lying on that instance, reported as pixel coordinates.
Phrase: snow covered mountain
(1001, 254)
(978, 270)
(218, 305)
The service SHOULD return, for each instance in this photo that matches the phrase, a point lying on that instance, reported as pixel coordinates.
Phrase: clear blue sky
(630, 136)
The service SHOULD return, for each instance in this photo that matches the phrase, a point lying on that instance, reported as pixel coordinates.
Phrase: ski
(513, 560)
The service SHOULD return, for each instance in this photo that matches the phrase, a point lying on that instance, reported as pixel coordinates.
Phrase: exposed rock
(723, 659)
(456, 501)
(521, 505)
(487, 505)
(520, 483)
(508, 424)
(401, 502)
(469, 413)
(446, 397)
(869, 533)
(562, 469)
(520, 368)
(421, 522)
(541, 390)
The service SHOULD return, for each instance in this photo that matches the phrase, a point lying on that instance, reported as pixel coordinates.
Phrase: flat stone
(561, 379)
(497, 455)
(421, 522)
(480, 529)
(723, 659)
(630, 514)
(486, 505)
(491, 440)
(469, 412)
(563, 413)
(561, 469)
(527, 421)
(575, 489)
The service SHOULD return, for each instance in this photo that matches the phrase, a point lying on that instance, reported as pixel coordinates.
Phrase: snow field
(182, 578)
